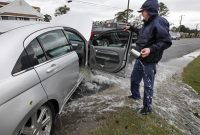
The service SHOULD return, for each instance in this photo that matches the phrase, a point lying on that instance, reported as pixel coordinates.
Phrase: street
(180, 48)
(103, 93)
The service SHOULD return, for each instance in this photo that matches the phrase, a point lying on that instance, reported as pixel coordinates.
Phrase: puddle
(174, 101)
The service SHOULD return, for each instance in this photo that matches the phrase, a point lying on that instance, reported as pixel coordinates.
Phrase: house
(19, 10)
(184, 35)
(198, 35)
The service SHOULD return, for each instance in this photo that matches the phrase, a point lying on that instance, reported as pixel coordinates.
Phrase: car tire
(41, 122)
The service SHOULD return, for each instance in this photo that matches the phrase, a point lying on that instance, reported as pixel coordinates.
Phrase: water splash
(173, 100)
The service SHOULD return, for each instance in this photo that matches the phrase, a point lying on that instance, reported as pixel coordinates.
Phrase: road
(180, 48)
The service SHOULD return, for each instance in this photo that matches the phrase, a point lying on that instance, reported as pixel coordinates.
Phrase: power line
(95, 4)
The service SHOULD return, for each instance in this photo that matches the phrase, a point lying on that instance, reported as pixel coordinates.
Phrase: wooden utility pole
(180, 23)
(197, 29)
(127, 11)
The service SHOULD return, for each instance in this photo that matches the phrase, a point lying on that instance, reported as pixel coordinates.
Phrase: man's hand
(145, 52)
(126, 28)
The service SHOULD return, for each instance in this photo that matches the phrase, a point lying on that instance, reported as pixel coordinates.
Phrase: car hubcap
(39, 124)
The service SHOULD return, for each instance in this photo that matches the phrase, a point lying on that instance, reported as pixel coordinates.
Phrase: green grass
(126, 121)
(191, 74)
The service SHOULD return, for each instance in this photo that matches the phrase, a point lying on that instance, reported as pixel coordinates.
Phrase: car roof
(8, 25)
(12, 41)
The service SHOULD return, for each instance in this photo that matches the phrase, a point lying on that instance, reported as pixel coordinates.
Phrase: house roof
(6, 3)
(20, 7)
(18, 15)
(3, 3)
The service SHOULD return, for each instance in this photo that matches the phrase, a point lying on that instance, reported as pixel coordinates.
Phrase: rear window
(22, 63)
(33, 55)
(110, 25)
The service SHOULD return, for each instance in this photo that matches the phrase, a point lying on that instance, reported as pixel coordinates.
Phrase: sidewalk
(175, 101)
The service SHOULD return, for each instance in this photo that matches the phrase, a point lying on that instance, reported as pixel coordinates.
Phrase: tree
(122, 16)
(174, 29)
(47, 18)
(184, 29)
(137, 21)
(163, 10)
(62, 10)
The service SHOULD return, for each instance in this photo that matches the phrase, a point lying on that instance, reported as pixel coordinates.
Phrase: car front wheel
(40, 123)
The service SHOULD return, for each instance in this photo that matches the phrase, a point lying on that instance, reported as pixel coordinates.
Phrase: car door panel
(109, 51)
(107, 59)
(59, 75)
(60, 71)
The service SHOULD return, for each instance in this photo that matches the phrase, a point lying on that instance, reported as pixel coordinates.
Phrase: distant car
(40, 68)
(175, 35)
(96, 31)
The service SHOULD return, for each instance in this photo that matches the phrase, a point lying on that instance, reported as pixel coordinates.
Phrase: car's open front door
(110, 51)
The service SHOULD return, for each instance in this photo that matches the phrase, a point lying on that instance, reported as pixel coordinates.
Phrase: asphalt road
(180, 48)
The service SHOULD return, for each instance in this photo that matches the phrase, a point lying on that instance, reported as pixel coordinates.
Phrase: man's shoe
(145, 110)
(131, 97)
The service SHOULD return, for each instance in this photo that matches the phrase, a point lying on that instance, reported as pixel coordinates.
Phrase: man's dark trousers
(145, 71)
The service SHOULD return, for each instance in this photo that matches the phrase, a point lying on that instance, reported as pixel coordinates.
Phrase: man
(153, 39)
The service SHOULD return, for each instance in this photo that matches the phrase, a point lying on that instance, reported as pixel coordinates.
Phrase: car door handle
(52, 68)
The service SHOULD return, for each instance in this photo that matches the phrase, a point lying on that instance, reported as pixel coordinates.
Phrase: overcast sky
(189, 8)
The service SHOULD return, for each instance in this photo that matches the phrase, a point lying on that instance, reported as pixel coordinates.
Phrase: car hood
(79, 21)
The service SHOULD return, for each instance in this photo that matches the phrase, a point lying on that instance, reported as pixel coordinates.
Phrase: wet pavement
(173, 100)
(180, 48)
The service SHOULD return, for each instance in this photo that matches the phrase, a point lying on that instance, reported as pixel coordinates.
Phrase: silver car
(40, 70)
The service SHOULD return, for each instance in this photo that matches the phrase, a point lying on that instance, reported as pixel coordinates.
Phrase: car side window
(75, 39)
(22, 63)
(35, 53)
(78, 44)
(72, 36)
(112, 39)
(55, 43)
(31, 56)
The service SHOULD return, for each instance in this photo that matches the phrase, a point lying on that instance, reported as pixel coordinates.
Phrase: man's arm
(132, 28)
(163, 38)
